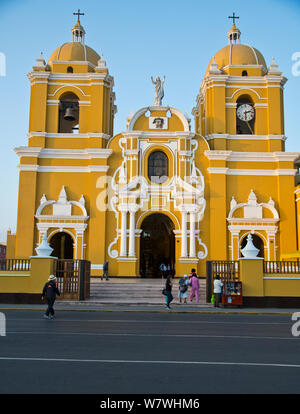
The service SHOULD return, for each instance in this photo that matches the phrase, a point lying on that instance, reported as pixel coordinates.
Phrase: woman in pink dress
(195, 287)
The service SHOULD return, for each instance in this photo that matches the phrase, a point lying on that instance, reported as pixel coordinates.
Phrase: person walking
(105, 271)
(183, 288)
(169, 296)
(218, 285)
(194, 283)
(50, 291)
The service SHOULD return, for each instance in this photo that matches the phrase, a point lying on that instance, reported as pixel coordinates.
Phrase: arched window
(69, 69)
(158, 167)
(68, 116)
(244, 73)
(245, 115)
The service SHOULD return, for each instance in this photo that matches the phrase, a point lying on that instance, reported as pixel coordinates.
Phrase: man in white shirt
(217, 290)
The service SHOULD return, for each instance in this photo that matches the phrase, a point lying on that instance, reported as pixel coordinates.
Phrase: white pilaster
(132, 234)
(192, 235)
(184, 234)
(123, 251)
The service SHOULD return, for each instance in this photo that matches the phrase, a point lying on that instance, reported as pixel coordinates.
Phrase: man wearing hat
(50, 290)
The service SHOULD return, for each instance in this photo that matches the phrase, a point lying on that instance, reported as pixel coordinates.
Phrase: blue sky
(138, 40)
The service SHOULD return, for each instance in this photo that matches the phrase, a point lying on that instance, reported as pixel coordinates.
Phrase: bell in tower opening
(68, 113)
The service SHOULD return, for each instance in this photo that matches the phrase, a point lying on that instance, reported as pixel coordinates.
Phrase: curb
(213, 312)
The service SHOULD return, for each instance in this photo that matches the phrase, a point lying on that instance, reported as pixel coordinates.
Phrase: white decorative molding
(261, 105)
(255, 172)
(74, 154)
(32, 76)
(253, 222)
(202, 254)
(28, 151)
(62, 207)
(96, 266)
(28, 167)
(64, 169)
(188, 260)
(127, 259)
(62, 219)
(252, 204)
(217, 155)
(64, 135)
(217, 170)
(280, 278)
(158, 134)
(174, 111)
(246, 137)
(71, 62)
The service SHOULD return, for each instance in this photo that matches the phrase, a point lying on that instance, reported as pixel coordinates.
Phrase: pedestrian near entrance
(163, 269)
(183, 289)
(194, 283)
(169, 296)
(105, 271)
(218, 285)
(191, 275)
(50, 291)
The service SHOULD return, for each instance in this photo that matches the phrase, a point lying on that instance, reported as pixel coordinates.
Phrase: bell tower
(72, 93)
(71, 120)
(241, 99)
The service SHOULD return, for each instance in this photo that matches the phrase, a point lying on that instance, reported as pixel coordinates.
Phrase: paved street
(148, 352)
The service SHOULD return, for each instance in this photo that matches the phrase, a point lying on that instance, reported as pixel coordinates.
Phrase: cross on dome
(233, 17)
(78, 14)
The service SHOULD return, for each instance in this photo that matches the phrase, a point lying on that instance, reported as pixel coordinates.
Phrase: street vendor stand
(232, 293)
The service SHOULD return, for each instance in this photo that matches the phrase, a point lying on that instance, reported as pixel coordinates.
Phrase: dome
(75, 51)
(238, 54)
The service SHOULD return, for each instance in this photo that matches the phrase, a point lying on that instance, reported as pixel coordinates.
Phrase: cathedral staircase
(136, 292)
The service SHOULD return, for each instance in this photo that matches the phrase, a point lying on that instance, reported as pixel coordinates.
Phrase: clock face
(245, 112)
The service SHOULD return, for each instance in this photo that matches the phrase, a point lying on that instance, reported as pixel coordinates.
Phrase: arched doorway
(258, 243)
(157, 245)
(62, 245)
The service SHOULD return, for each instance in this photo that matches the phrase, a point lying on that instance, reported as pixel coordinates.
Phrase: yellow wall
(31, 281)
(259, 284)
(14, 282)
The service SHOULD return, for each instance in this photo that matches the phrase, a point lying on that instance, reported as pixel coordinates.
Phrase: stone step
(112, 292)
(140, 302)
(144, 297)
(137, 291)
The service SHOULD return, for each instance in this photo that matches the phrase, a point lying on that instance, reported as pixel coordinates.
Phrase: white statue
(159, 90)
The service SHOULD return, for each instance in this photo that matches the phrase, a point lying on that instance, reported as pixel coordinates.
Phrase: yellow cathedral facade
(157, 192)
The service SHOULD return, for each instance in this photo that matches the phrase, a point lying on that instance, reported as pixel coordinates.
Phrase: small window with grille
(158, 167)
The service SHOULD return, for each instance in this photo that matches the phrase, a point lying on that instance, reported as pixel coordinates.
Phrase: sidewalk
(175, 308)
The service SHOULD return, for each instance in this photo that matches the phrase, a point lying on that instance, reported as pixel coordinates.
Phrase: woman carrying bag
(168, 291)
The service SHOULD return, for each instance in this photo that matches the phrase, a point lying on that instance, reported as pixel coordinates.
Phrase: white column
(192, 235)
(132, 234)
(123, 251)
(184, 234)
